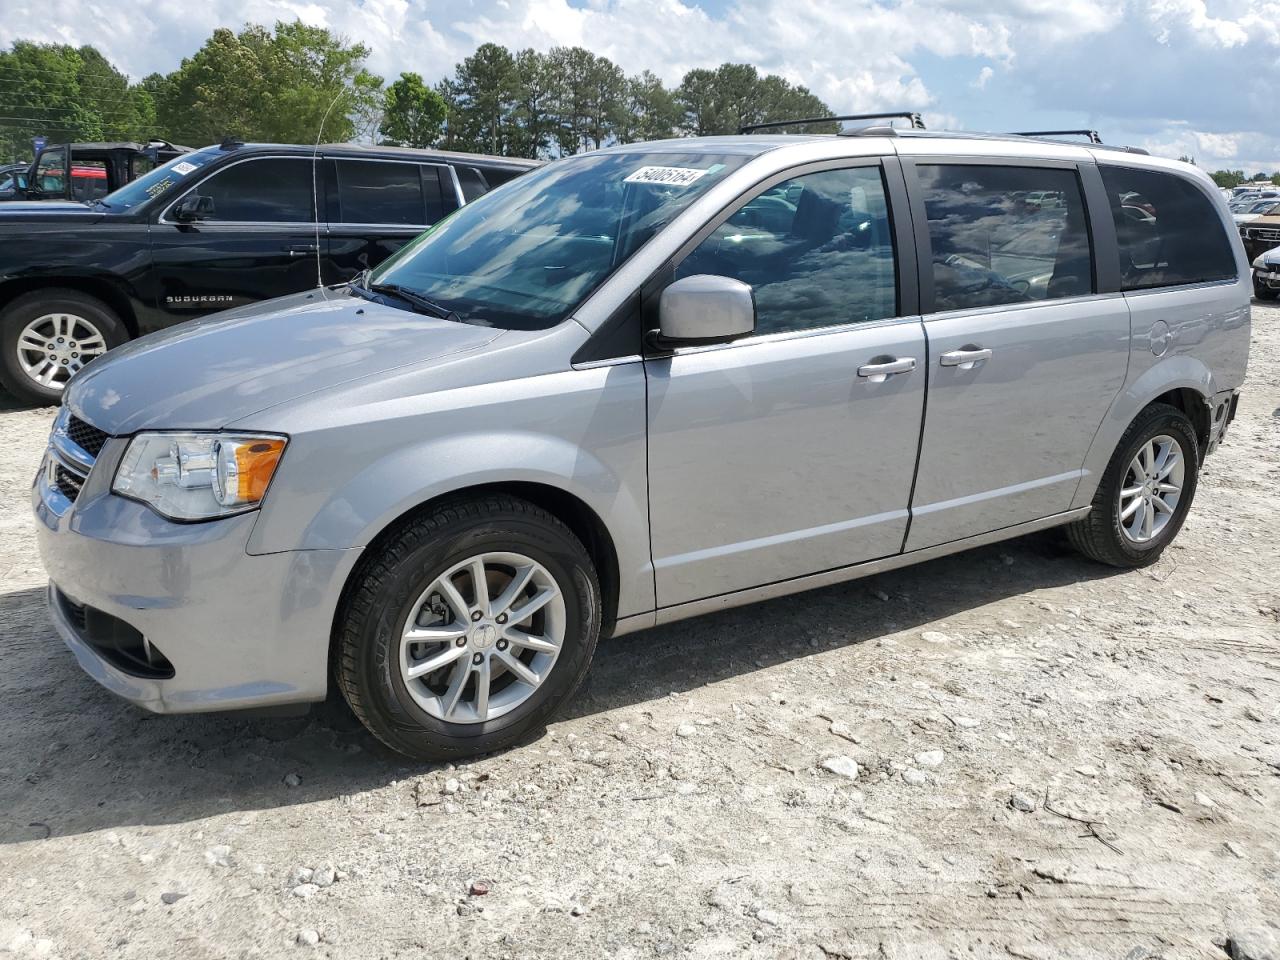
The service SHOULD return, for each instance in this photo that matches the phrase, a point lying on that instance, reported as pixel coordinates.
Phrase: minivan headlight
(198, 476)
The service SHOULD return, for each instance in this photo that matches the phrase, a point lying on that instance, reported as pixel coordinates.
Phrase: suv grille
(1262, 233)
(86, 436)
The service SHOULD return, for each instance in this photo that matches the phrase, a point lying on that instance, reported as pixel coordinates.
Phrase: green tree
(413, 114)
(276, 86)
(484, 94)
(40, 96)
(1228, 178)
(535, 123)
(734, 95)
(652, 112)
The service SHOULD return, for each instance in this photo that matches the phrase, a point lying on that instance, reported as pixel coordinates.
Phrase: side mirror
(193, 207)
(706, 309)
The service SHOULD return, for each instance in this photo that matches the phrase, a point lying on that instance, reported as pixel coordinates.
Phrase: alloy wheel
(1151, 489)
(52, 348)
(482, 638)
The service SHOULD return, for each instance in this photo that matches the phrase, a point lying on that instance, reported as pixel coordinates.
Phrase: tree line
(295, 83)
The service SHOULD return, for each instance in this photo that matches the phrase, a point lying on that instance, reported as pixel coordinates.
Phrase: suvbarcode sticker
(668, 176)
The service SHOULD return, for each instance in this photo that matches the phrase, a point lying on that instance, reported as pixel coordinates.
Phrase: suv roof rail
(1090, 135)
(916, 122)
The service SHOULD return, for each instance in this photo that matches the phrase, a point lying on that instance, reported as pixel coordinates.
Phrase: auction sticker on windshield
(668, 176)
(184, 168)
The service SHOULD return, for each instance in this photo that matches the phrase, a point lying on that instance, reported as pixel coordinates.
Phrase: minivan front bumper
(179, 618)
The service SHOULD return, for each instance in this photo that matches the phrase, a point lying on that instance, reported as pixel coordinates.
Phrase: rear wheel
(1145, 492)
(47, 336)
(468, 628)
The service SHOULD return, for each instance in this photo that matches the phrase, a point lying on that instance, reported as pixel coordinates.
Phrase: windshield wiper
(413, 298)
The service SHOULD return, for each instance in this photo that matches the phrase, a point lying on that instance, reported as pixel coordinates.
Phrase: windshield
(161, 179)
(525, 255)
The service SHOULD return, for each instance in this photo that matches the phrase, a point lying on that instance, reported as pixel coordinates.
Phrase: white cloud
(1152, 70)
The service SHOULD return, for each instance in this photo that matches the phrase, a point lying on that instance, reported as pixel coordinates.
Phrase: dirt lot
(1056, 760)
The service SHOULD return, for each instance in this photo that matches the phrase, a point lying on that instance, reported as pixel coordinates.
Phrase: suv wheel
(468, 628)
(47, 336)
(1145, 492)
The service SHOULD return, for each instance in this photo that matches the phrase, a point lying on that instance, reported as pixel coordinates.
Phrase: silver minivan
(631, 387)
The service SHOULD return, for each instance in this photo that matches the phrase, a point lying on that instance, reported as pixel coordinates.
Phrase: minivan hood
(210, 372)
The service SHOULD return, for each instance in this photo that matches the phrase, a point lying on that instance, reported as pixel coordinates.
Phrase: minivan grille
(69, 484)
(86, 436)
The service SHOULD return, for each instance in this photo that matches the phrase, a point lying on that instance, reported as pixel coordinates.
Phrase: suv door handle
(880, 369)
(301, 249)
(964, 358)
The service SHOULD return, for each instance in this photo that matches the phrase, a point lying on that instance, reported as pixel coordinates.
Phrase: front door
(790, 451)
(259, 240)
(1024, 358)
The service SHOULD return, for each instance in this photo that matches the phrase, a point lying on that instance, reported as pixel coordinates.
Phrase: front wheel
(48, 336)
(468, 628)
(1145, 492)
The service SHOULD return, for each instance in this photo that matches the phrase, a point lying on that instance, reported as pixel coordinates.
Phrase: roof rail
(916, 122)
(1090, 135)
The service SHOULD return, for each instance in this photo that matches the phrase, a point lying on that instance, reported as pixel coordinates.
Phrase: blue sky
(1175, 76)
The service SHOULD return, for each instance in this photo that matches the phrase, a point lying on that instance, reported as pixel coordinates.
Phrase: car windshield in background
(160, 180)
(524, 257)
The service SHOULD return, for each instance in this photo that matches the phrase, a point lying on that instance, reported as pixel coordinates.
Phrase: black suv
(212, 229)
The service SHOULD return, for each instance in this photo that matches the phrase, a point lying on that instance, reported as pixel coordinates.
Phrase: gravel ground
(1053, 760)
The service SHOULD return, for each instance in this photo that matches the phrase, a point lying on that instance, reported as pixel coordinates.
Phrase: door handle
(965, 358)
(301, 249)
(879, 370)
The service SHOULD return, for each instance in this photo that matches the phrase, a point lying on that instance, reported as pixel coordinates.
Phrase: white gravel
(1109, 788)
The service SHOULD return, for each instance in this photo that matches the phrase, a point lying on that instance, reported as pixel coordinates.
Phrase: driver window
(817, 251)
(1003, 234)
(51, 171)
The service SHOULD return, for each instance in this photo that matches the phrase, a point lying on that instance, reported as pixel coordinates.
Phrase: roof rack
(916, 122)
(1090, 135)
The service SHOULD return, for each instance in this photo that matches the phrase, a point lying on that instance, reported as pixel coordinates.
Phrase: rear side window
(269, 190)
(497, 176)
(1004, 234)
(472, 182)
(373, 192)
(1168, 230)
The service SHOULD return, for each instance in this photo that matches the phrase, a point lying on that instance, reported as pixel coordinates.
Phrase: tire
(398, 581)
(70, 312)
(1101, 534)
(1263, 292)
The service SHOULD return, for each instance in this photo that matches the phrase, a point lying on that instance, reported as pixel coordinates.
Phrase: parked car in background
(638, 385)
(1260, 233)
(219, 227)
(1252, 210)
(13, 179)
(87, 171)
(1266, 274)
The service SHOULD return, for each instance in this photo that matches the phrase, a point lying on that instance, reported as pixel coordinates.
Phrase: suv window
(472, 183)
(265, 190)
(817, 250)
(385, 192)
(1004, 234)
(51, 171)
(1168, 230)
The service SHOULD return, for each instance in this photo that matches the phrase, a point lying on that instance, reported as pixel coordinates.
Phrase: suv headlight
(198, 476)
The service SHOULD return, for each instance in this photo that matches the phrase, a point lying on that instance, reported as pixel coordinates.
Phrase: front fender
(580, 432)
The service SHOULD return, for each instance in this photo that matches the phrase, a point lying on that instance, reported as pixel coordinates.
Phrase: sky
(1175, 76)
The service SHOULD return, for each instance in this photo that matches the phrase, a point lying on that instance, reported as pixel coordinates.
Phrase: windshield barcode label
(670, 176)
